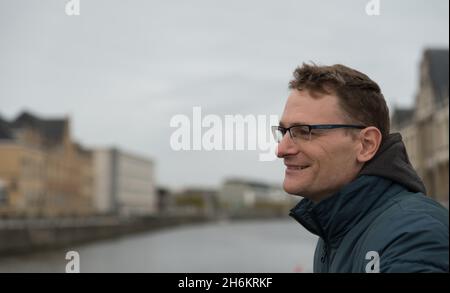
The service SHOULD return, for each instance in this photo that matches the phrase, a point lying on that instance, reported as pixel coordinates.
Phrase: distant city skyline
(121, 71)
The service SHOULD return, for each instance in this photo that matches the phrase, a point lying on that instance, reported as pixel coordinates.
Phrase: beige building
(425, 127)
(43, 172)
(22, 180)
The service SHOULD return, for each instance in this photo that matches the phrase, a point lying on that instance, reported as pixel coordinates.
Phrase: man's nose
(286, 147)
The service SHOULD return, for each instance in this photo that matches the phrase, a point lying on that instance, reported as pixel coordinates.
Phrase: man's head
(353, 118)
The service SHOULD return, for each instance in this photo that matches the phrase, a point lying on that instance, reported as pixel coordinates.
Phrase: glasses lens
(300, 132)
(277, 134)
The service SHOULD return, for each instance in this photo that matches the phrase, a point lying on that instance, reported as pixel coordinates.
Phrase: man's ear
(370, 140)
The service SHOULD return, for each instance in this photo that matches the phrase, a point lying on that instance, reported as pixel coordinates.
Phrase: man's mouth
(296, 167)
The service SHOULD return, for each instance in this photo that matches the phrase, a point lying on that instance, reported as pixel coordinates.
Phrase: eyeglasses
(303, 131)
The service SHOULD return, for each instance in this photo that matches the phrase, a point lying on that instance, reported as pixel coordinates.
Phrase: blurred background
(86, 103)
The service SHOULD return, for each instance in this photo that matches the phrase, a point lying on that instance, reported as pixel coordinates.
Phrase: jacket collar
(333, 217)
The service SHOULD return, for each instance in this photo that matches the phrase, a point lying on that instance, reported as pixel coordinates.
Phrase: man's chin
(293, 189)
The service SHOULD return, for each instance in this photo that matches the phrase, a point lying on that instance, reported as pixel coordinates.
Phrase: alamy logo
(73, 266)
(73, 8)
(373, 266)
(232, 132)
(373, 8)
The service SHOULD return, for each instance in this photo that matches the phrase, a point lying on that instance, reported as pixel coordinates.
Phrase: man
(361, 195)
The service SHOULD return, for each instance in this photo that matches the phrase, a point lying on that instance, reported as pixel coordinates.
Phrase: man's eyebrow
(291, 124)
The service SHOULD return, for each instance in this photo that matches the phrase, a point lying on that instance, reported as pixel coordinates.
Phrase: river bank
(19, 236)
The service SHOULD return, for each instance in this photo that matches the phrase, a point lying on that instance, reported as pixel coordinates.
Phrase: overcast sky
(122, 69)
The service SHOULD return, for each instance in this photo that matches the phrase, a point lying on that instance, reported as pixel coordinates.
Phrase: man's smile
(291, 168)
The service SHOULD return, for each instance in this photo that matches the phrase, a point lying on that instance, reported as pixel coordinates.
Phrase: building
(85, 179)
(425, 127)
(124, 184)
(22, 180)
(198, 201)
(164, 200)
(241, 195)
(42, 170)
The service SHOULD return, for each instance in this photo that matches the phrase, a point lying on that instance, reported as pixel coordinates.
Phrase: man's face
(329, 156)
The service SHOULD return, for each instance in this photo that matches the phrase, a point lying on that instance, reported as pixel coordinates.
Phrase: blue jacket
(380, 222)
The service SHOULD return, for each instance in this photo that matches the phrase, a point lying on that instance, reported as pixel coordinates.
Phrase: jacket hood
(392, 162)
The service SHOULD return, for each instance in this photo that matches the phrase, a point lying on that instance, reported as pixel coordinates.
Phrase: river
(276, 246)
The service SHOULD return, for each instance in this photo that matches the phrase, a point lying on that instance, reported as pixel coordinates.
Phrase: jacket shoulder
(410, 235)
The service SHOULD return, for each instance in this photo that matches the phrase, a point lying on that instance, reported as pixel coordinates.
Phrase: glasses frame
(310, 128)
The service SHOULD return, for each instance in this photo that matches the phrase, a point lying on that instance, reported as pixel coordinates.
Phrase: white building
(124, 184)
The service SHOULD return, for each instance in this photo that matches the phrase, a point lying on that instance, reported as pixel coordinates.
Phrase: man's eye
(302, 131)
(317, 132)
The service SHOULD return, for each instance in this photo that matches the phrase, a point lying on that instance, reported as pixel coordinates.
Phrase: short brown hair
(359, 96)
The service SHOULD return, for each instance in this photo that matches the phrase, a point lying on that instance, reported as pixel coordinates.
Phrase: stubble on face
(329, 156)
